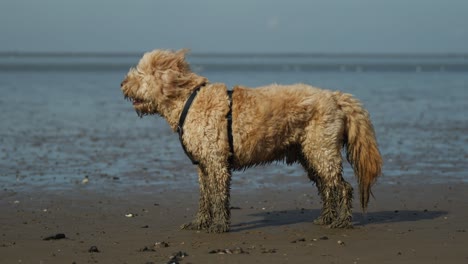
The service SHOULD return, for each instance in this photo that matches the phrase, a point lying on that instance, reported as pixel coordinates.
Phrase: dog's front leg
(204, 216)
(219, 195)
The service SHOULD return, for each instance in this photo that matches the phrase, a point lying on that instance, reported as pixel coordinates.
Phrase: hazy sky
(235, 26)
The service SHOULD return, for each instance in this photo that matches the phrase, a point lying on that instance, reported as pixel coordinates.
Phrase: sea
(64, 123)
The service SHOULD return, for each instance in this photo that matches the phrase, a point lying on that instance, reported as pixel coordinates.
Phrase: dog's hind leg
(322, 151)
(326, 192)
(204, 215)
(335, 192)
(344, 212)
(328, 213)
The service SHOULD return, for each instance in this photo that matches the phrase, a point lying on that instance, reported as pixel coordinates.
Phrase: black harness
(183, 115)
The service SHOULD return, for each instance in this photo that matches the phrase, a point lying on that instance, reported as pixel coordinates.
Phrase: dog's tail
(361, 145)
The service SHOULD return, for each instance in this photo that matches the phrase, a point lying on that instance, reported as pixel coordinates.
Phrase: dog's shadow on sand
(290, 217)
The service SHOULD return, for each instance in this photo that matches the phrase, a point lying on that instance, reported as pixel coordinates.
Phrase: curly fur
(291, 123)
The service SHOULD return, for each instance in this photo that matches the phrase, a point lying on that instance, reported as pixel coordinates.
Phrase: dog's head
(160, 78)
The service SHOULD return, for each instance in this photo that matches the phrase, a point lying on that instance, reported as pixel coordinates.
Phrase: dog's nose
(122, 84)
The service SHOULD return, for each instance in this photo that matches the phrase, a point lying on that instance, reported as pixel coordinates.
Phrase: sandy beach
(405, 224)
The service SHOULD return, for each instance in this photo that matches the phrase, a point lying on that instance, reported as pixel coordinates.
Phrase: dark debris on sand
(268, 251)
(153, 248)
(298, 240)
(55, 237)
(93, 249)
(237, 250)
(176, 257)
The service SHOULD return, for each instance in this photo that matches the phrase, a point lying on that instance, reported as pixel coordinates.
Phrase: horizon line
(240, 54)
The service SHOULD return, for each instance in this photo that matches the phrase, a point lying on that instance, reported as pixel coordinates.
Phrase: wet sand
(405, 224)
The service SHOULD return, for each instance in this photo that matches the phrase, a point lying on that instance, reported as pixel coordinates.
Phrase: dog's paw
(193, 226)
(341, 224)
(323, 221)
(218, 228)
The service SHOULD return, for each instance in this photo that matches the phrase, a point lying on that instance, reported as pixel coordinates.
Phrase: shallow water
(59, 126)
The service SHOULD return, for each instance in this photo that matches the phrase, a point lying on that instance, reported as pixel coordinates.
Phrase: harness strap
(183, 115)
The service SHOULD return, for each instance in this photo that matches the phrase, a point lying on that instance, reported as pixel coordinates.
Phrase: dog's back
(269, 121)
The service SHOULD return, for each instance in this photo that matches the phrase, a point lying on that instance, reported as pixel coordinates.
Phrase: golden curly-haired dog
(291, 123)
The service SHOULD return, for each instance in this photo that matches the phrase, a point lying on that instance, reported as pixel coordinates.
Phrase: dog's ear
(180, 63)
(172, 72)
(162, 60)
(172, 82)
(182, 52)
(169, 83)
